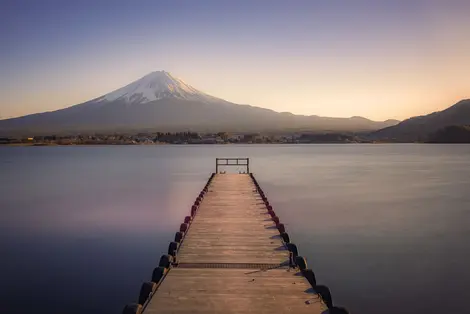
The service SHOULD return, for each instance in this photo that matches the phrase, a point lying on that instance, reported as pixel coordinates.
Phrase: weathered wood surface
(232, 226)
(234, 291)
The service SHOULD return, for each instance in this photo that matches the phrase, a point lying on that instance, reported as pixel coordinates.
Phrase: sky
(377, 59)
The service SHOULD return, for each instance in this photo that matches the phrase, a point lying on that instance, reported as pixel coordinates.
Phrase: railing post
(239, 161)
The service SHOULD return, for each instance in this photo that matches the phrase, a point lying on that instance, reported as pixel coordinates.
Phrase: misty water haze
(384, 226)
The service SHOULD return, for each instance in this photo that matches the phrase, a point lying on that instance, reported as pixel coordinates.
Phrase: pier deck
(232, 260)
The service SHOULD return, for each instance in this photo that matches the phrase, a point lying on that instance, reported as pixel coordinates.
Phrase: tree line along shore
(180, 138)
(450, 134)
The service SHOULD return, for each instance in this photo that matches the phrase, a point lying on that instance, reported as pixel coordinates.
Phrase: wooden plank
(234, 291)
(232, 227)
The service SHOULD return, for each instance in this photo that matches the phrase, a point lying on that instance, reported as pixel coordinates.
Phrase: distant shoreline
(172, 144)
(166, 144)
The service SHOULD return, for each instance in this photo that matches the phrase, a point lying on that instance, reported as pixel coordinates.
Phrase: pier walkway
(229, 257)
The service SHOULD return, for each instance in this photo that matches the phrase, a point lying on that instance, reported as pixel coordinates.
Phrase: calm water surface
(386, 227)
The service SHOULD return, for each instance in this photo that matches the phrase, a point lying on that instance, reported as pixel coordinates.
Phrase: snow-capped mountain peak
(155, 86)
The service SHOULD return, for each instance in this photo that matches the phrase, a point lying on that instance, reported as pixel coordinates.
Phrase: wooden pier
(232, 255)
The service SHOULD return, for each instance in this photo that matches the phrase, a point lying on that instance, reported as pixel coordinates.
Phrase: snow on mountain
(159, 101)
(155, 86)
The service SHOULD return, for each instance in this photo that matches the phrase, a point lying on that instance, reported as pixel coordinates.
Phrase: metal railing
(232, 162)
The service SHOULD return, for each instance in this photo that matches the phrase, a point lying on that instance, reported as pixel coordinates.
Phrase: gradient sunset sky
(377, 59)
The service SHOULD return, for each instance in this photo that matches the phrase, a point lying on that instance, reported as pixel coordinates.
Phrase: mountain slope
(420, 128)
(159, 101)
(451, 134)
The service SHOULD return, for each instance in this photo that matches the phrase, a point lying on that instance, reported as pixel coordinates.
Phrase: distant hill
(161, 102)
(451, 134)
(422, 127)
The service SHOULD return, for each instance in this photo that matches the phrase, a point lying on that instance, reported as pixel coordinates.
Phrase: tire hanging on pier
(165, 261)
(275, 219)
(172, 247)
(293, 249)
(310, 276)
(187, 219)
(301, 262)
(325, 294)
(132, 308)
(178, 237)
(285, 237)
(158, 274)
(183, 227)
(146, 290)
(281, 228)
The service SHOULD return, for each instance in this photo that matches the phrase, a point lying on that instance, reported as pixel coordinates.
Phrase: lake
(384, 226)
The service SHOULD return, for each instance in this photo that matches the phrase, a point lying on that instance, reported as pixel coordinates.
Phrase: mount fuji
(161, 102)
(156, 86)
